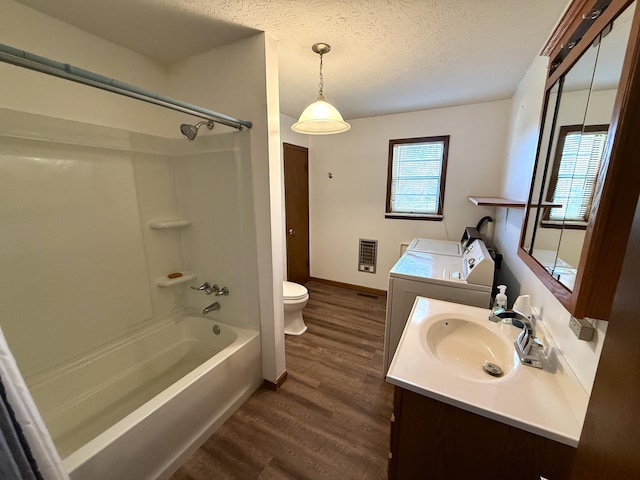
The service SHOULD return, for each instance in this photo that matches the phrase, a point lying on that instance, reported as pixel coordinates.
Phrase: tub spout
(211, 308)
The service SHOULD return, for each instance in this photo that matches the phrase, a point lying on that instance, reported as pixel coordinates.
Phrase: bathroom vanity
(452, 419)
(432, 439)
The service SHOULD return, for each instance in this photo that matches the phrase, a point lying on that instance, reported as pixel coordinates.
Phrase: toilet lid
(292, 290)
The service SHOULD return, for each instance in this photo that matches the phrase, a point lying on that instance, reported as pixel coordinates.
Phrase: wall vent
(368, 255)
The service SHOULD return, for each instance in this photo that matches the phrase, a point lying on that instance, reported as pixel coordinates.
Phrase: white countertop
(549, 402)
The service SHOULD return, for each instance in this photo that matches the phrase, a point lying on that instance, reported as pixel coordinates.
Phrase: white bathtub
(137, 409)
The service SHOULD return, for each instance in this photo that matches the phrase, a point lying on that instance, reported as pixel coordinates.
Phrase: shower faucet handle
(224, 291)
(207, 288)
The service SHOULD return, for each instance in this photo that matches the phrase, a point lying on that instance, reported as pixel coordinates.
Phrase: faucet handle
(207, 288)
(535, 341)
(224, 291)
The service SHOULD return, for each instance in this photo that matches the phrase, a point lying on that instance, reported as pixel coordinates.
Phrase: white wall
(289, 136)
(522, 143)
(26, 29)
(351, 205)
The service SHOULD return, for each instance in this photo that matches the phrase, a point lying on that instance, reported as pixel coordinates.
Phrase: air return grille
(368, 255)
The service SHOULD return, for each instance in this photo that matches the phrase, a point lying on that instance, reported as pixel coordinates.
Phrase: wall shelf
(495, 202)
(170, 282)
(505, 202)
(169, 224)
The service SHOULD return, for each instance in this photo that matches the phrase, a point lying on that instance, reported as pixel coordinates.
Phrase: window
(574, 175)
(416, 177)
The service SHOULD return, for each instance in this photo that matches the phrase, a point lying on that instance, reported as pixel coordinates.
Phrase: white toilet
(295, 297)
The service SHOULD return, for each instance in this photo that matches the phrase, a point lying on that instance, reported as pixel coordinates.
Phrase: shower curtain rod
(31, 61)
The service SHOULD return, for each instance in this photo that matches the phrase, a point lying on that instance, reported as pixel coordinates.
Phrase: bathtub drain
(216, 329)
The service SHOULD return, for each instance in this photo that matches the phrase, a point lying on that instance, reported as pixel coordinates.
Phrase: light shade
(320, 118)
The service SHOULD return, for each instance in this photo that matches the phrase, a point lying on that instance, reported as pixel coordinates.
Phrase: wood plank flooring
(330, 419)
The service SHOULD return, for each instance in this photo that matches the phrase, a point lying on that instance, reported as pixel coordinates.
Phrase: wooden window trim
(438, 216)
(546, 221)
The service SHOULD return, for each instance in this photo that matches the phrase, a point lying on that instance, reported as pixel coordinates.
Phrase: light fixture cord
(321, 85)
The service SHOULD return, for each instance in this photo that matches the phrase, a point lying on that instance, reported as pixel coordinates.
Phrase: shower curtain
(17, 461)
(26, 448)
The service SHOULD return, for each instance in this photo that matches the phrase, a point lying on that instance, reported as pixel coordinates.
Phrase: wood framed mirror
(586, 177)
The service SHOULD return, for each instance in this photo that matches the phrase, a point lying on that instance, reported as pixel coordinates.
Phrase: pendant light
(320, 118)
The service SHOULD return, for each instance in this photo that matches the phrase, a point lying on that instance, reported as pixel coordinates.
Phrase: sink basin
(440, 356)
(465, 347)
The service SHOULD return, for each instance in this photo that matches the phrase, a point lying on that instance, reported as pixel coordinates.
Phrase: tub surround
(110, 369)
(62, 173)
(250, 93)
(548, 402)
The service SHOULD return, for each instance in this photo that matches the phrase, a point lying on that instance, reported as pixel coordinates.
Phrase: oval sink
(465, 346)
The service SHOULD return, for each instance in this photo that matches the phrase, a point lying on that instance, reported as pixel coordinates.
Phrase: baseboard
(277, 384)
(359, 288)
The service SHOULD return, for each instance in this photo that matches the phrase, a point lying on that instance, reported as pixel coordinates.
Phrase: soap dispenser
(501, 299)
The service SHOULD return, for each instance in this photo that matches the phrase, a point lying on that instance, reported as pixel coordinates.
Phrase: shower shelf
(170, 282)
(168, 224)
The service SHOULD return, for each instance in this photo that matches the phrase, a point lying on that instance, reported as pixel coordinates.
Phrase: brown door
(296, 198)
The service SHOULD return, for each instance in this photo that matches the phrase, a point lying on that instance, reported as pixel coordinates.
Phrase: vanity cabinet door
(434, 440)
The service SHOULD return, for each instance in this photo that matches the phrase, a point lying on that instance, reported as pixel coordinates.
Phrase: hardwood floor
(330, 419)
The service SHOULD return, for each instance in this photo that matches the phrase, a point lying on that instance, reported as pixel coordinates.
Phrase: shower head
(191, 131)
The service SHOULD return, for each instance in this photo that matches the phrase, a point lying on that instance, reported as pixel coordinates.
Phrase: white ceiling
(387, 56)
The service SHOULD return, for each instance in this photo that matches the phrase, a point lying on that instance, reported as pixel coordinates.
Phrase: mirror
(578, 109)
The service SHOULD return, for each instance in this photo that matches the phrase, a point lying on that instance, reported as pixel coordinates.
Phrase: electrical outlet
(581, 328)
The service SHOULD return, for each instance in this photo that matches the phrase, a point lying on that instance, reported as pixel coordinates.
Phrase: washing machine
(466, 278)
(444, 247)
(449, 247)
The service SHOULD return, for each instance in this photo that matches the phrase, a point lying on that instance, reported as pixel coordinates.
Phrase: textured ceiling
(387, 56)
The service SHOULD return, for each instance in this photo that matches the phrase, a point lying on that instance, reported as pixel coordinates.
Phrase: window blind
(577, 175)
(416, 177)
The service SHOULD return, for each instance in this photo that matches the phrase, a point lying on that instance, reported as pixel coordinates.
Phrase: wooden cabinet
(434, 440)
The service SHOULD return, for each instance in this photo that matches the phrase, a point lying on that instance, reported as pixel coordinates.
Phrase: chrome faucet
(527, 345)
(215, 288)
(211, 308)
(207, 288)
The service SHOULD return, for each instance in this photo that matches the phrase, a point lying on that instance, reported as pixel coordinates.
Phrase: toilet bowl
(295, 297)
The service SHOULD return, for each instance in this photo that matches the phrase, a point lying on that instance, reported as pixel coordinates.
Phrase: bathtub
(138, 408)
